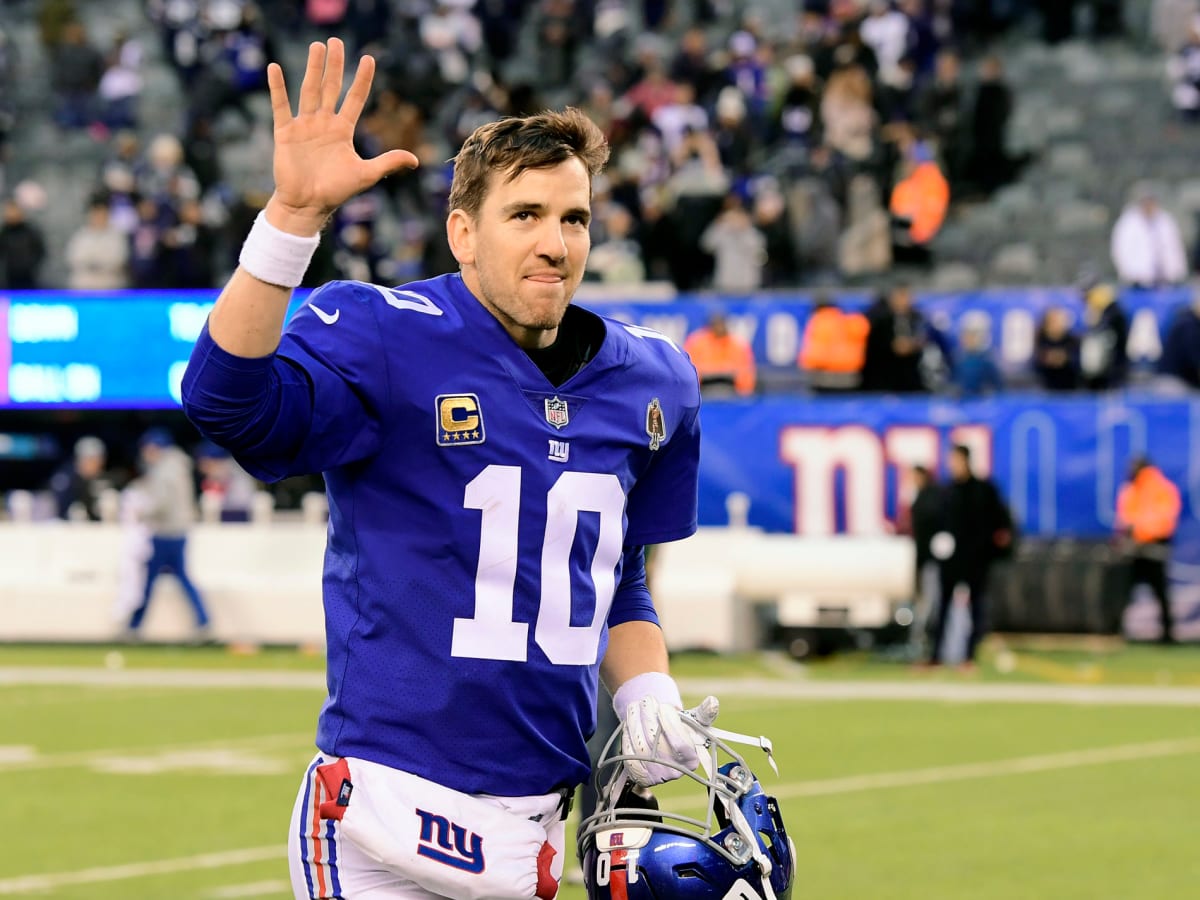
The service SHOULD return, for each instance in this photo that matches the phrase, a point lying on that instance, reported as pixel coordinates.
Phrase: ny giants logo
(435, 843)
(845, 469)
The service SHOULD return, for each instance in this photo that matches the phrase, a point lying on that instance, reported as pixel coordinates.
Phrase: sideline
(53, 880)
(917, 690)
(17, 757)
(1019, 765)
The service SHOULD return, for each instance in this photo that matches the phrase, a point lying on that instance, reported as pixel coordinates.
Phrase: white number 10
(491, 633)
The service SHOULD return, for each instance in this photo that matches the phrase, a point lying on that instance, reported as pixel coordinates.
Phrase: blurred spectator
(1147, 246)
(815, 215)
(770, 217)
(22, 249)
(848, 114)
(78, 484)
(561, 29)
(326, 14)
(691, 65)
(76, 68)
(188, 249)
(1183, 70)
(886, 31)
(164, 177)
(926, 518)
(1171, 22)
(147, 263)
(724, 361)
(738, 248)
(747, 73)
(454, 35)
(1056, 351)
(53, 18)
(896, 341)
(796, 119)
(1148, 507)
(201, 153)
(733, 134)
(991, 166)
(170, 511)
(225, 487)
(121, 84)
(865, 244)
(679, 117)
(940, 116)
(1103, 361)
(359, 257)
(975, 369)
(1180, 358)
(98, 253)
(833, 349)
(918, 206)
(618, 258)
(8, 108)
(981, 528)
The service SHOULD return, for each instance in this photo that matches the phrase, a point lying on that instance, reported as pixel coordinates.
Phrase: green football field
(170, 772)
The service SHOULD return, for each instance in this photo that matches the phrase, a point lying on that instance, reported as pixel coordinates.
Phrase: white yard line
(253, 889)
(947, 691)
(13, 761)
(1020, 765)
(940, 691)
(168, 678)
(51, 880)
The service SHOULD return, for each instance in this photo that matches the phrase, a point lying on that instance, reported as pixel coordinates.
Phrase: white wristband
(659, 685)
(275, 256)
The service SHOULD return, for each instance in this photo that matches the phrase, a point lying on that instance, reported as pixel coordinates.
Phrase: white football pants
(326, 866)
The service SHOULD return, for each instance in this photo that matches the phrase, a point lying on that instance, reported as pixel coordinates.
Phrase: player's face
(523, 255)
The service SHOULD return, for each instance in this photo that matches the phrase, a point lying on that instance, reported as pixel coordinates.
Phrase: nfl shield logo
(556, 412)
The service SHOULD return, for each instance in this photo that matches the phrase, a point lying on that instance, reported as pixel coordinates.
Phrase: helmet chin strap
(708, 762)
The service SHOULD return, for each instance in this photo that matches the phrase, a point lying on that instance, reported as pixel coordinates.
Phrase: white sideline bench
(706, 587)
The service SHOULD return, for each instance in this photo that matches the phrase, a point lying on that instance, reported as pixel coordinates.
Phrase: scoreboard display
(112, 350)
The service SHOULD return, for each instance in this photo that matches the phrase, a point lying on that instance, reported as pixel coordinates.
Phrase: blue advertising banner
(843, 466)
(826, 466)
(774, 325)
(128, 349)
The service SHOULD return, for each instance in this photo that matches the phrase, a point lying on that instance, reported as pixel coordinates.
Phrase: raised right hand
(315, 164)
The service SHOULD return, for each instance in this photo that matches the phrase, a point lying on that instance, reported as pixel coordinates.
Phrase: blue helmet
(738, 850)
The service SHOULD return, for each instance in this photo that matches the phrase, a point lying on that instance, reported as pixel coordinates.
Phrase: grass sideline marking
(795, 689)
(99, 874)
(15, 761)
(1019, 765)
(253, 889)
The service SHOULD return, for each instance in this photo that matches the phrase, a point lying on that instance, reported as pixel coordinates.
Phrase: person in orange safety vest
(723, 360)
(834, 348)
(1148, 508)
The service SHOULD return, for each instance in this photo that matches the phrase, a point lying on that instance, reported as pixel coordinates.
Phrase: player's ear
(460, 233)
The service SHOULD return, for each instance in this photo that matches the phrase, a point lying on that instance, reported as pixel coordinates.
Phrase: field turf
(146, 772)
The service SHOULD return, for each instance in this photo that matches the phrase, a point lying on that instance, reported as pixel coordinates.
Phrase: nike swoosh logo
(327, 318)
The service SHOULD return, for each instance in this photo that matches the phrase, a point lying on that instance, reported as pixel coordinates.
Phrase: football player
(495, 460)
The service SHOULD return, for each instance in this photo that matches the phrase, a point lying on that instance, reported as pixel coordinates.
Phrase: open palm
(316, 166)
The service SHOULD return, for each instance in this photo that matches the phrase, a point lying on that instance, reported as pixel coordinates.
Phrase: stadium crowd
(754, 146)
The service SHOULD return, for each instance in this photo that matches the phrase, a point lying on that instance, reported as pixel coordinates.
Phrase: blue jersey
(481, 522)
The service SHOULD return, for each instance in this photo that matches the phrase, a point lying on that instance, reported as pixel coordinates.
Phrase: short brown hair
(514, 144)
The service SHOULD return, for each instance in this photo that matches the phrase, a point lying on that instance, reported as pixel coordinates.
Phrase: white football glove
(651, 710)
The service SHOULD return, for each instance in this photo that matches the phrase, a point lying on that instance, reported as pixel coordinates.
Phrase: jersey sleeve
(663, 503)
(335, 340)
(313, 405)
(631, 600)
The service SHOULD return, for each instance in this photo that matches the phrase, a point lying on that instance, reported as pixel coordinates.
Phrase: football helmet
(631, 849)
